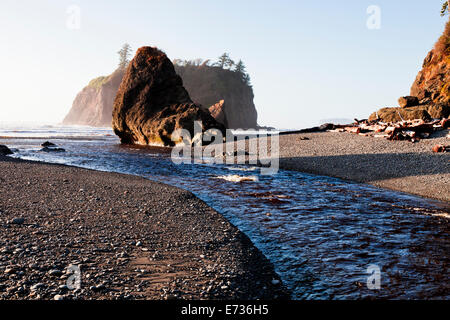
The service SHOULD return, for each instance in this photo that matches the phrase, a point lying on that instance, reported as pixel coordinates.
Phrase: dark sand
(133, 238)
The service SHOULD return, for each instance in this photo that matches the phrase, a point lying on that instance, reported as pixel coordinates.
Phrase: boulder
(399, 114)
(218, 112)
(48, 144)
(152, 103)
(4, 150)
(438, 111)
(326, 126)
(408, 101)
(52, 149)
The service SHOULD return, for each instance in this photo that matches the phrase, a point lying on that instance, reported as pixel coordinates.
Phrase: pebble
(99, 287)
(55, 272)
(10, 270)
(34, 266)
(37, 286)
(17, 221)
(58, 297)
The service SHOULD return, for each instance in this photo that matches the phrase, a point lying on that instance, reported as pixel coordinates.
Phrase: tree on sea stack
(247, 80)
(124, 56)
(225, 61)
(240, 67)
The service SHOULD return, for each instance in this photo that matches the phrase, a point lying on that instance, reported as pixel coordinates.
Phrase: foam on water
(237, 178)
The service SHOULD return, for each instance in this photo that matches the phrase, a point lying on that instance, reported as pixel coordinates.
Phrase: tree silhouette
(225, 61)
(247, 80)
(445, 8)
(240, 67)
(124, 56)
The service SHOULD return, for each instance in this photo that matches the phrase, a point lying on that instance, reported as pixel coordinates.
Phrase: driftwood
(412, 130)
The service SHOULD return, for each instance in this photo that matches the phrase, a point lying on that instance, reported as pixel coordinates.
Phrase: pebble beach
(397, 165)
(130, 237)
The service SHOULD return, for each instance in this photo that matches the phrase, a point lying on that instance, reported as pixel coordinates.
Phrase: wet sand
(132, 238)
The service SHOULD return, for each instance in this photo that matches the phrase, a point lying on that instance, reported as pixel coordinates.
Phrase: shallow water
(320, 233)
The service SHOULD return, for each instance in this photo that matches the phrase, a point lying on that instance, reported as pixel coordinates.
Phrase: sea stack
(224, 91)
(93, 105)
(152, 103)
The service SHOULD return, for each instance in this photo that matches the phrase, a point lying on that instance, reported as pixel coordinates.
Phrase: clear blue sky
(308, 60)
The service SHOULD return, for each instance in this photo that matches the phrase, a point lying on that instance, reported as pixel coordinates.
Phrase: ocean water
(321, 233)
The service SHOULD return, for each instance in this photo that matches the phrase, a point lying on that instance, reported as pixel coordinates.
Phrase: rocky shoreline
(396, 165)
(132, 239)
(414, 168)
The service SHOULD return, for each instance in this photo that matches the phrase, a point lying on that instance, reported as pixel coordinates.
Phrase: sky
(308, 60)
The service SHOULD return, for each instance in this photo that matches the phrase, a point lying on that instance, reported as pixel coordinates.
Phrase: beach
(131, 238)
(142, 234)
(394, 165)
(397, 165)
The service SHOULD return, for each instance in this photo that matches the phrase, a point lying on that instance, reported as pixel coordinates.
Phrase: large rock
(424, 112)
(218, 112)
(208, 85)
(408, 101)
(432, 84)
(93, 105)
(438, 110)
(4, 150)
(399, 114)
(151, 102)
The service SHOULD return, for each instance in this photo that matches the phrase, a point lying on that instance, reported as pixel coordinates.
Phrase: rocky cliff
(208, 85)
(430, 92)
(152, 103)
(432, 84)
(93, 105)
